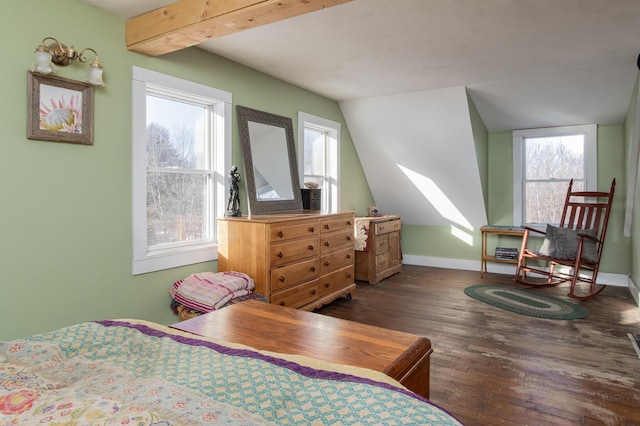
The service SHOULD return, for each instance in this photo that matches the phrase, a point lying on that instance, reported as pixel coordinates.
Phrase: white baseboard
(606, 278)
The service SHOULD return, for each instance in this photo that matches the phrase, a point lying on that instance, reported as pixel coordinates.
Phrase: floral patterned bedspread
(139, 373)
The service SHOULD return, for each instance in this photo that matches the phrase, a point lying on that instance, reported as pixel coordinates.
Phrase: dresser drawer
(386, 227)
(286, 232)
(336, 240)
(381, 244)
(289, 275)
(297, 296)
(334, 261)
(336, 280)
(382, 262)
(330, 225)
(293, 251)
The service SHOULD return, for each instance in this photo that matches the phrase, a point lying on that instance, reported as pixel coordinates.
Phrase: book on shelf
(506, 253)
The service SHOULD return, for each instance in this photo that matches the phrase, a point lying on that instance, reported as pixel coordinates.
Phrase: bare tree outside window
(550, 163)
(177, 175)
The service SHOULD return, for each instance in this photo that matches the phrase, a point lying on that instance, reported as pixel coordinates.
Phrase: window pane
(544, 200)
(549, 158)
(560, 157)
(176, 207)
(314, 149)
(175, 134)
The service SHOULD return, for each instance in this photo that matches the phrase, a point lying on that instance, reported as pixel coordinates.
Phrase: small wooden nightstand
(383, 255)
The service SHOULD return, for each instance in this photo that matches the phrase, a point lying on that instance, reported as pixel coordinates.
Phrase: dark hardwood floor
(494, 367)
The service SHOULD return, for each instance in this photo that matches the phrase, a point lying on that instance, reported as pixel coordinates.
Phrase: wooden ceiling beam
(187, 23)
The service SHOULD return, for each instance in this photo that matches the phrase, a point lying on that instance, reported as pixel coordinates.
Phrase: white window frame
(330, 195)
(148, 261)
(590, 131)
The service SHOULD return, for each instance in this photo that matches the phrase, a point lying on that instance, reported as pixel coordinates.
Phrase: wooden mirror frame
(289, 164)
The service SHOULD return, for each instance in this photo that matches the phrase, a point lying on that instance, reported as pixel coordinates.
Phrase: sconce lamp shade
(42, 63)
(95, 74)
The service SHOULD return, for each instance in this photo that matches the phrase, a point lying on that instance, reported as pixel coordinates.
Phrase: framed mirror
(269, 159)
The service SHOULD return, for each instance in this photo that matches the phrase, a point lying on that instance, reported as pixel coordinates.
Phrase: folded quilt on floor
(179, 309)
(208, 291)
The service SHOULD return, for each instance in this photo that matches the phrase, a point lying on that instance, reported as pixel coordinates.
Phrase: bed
(143, 373)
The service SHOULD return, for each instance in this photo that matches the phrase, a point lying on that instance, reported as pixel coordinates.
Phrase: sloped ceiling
(524, 64)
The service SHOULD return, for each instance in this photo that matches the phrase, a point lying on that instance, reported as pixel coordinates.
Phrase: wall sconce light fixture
(47, 56)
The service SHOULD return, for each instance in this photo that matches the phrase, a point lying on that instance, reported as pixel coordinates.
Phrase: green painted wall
(611, 158)
(438, 242)
(634, 251)
(66, 209)
(481, 141)
(500, 179)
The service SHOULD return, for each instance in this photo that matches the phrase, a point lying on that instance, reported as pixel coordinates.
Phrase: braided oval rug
(527, 302)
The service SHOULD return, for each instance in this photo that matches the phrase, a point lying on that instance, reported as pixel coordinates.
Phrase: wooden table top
(279, 329)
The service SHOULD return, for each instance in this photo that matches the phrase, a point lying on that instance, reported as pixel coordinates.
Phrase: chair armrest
(588, 237)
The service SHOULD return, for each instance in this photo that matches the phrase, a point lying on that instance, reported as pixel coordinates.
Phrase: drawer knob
(281, 303)
(348, 237)
(280, 255)
(327, 226)
(327, 263)
(348, 275)
(280, 234)
(282, 278)
(313, 292)
(349, 223)
(327, 243)
(310, 247)
(313, 269)
(348, 256)
(312, 229)
(326, 285)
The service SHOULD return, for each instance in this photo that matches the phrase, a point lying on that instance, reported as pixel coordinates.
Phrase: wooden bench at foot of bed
(402, 356)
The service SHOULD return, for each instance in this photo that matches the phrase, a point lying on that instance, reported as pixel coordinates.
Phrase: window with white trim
(544, 161)
(319, 157)
(180, 151)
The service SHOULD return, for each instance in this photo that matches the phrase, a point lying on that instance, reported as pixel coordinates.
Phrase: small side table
(514, 231)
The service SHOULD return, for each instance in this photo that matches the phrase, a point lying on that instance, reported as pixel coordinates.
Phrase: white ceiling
(526, 63)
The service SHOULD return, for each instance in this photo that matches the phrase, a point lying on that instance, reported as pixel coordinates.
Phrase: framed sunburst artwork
(59, 109)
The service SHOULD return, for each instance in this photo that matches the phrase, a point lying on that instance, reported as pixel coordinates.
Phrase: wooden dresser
(383, 255)
(299, 260)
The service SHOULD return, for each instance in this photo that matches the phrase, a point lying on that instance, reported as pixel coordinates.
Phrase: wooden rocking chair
(572, 250)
